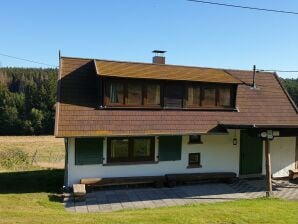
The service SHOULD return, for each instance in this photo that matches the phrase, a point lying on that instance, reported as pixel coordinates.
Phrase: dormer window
(193, 96)
(209, 97)
(141, 93)
(224, 98)
(134, 93)
(173, 96)
(152, 94)
(131, 93)
(116, 93)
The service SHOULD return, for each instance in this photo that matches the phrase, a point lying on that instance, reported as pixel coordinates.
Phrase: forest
(27, 101)
(28, 96)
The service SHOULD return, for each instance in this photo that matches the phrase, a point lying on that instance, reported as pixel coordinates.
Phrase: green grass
(48, 150)
(30, 197)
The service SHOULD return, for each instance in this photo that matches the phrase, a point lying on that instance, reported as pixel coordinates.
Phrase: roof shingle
(79, 115)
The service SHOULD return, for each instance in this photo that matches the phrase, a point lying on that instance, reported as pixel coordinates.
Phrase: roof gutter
(246, 126)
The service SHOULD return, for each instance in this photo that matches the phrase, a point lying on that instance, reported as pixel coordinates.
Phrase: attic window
(116, 92)
(209, 97)
(195, 139)
(132, 93)
(137, 93)
(224, 98)
(173, 96)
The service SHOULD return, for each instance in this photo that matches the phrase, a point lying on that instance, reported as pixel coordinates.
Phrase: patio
(113, 200)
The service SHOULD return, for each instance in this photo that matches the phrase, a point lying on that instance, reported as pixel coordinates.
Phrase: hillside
(28, 95)
(27, 99)
(292, 88)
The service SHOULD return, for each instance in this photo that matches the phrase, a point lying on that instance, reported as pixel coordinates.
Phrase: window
(209, 97)
(139, 149)
(141, 93)
(193, 96)
(134, 93)
(153, 94)
(195, 139)
(194, 160)
(115, 92)
(119, 149)
(224, 99)
(173, 96)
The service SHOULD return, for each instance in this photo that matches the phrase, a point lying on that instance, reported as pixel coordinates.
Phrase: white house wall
(282, 155)
(218, 154)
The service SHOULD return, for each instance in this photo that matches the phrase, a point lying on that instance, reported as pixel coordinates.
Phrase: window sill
(130, 163)
(194, 143)
(167, 108)
(193, 166)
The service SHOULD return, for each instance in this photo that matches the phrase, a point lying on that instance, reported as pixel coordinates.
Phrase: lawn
(31, 197)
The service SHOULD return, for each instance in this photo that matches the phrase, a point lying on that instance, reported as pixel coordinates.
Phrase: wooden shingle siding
(169, 148)
(88, 151)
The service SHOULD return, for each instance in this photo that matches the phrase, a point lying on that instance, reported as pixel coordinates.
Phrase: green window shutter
(88, 151)
(170, 148)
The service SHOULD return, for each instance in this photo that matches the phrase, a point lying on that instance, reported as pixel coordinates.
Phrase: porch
(113, 200)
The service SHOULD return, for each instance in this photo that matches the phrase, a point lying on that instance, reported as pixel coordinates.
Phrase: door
(251, 153)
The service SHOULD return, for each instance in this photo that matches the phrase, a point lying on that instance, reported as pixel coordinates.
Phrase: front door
(251, 153)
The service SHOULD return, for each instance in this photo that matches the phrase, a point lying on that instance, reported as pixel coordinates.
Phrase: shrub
(14, 159)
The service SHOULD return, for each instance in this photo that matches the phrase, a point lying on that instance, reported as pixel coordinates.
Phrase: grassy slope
(43, 144)
(50, 150)
(29, 197)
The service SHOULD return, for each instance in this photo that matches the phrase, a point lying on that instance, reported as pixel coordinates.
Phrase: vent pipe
(254, 78)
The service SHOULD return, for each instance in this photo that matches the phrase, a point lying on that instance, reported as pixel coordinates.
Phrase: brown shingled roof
(78, 113)
(162, 71)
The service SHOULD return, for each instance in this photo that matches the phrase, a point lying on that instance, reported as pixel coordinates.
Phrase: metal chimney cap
(159, 51)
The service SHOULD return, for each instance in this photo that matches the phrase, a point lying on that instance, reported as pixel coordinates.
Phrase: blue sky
(192, 33)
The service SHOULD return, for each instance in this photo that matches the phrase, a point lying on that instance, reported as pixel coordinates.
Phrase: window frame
(131, 158)
(107, 86)
(194, 165)
(193, 85)
(209, 86)
(192, 141)
(135, 82)
(168, 84)
(163, 85)
(125, 83)
(145, 96)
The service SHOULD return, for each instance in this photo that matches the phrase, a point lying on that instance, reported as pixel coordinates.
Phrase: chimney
(159, 57)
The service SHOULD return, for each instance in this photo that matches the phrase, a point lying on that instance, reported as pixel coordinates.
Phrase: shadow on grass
(55, 197)
(49, 181)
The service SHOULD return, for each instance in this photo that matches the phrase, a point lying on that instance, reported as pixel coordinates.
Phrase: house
(129, 119)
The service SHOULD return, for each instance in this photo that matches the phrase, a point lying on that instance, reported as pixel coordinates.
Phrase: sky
(191, 33)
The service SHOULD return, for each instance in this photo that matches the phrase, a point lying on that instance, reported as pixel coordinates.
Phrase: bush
(14, 159)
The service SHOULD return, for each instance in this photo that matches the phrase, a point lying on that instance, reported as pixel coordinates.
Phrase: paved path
(113, 200)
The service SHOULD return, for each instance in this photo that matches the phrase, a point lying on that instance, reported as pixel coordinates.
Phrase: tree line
(292, 87)
(28, 96)
(27, 99)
